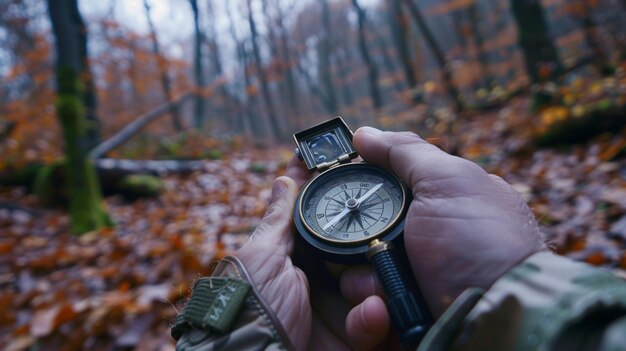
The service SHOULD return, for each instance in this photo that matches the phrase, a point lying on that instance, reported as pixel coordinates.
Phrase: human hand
(464, 227)
(318, 318)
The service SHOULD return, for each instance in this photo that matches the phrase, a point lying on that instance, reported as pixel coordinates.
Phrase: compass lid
(325, 145)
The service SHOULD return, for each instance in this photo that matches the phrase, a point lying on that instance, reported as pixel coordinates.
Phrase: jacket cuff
(245, 320)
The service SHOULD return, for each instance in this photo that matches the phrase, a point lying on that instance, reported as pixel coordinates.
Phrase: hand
(318, 318)
(464, 228)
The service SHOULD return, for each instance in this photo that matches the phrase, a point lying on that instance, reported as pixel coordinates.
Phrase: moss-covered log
(141, 185)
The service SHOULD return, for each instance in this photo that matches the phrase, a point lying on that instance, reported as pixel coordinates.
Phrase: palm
(461, 240)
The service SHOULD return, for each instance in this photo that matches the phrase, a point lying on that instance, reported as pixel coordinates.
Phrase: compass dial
(352, 203)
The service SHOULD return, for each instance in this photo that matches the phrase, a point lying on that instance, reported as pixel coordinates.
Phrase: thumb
(276, 226)
(410, 157)
(367, 324)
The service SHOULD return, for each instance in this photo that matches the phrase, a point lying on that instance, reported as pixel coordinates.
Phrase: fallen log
(112, 171)
(107, 166)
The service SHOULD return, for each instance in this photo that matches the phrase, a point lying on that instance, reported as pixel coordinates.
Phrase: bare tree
(592, 37)
(198, 70)
(446, 70)
(253, 125)
(344, 59)
(261, 74)
(232, 107)
(381, 42)
(479, 41)
(399, 27)
(166, 82)
(282, 54)
(365, 55)
(324, 51)
(535, 41)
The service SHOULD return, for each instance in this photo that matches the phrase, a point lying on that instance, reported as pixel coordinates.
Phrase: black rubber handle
(409, 314)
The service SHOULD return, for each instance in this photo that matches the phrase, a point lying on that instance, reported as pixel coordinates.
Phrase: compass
(353, 212)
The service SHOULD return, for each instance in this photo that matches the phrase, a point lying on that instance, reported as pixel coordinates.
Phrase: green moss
(258, 167)
(138, 186)
(49, 185)
(214, 154)
(24, 176)
(604, 105)
(85, 200)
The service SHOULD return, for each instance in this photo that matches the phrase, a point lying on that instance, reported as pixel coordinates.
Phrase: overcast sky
(173, 18)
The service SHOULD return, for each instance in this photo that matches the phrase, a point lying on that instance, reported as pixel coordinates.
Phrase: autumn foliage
(456, 72)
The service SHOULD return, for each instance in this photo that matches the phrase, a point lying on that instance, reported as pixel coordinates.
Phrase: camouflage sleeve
(206, 323)
(546, 303)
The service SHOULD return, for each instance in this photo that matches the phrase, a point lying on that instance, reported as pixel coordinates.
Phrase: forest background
(139, 138)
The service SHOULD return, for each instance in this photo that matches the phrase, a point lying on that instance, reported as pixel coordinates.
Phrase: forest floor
(120, 287)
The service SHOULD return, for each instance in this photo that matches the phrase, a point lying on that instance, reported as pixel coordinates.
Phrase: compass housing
(351, 250)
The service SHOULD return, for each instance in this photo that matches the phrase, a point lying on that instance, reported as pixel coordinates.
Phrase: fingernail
(278, 189)
(370, 130)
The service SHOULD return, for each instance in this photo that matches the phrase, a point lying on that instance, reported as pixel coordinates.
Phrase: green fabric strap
(215, 304)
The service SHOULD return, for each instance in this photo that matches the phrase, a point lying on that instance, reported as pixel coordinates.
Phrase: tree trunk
(479, 41)
(399, 29)
(251, 126)
(230, 113)
(389, 65)
(260, 71)
(592, 37)
(199, 113)
(313, 88)
(541, 56)
(166, 83)
(324, 50)
(343, 63)
(365, 55)
(440, 58)
(258, 125)
(292, 89)
(85, 201)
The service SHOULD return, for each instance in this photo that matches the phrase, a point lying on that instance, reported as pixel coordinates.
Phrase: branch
(135, 126)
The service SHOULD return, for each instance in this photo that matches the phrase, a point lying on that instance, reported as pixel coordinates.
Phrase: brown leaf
(20, 343)
(43, 322)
